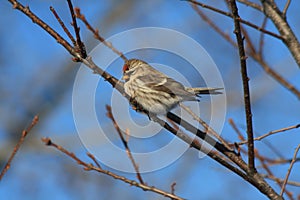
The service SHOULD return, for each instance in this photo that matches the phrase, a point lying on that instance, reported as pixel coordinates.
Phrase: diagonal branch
(89, 167)
(125, 143)
(289, 170)
(251, 4)
(256, 56)
(63, 25)
(261, 159)
(209, 129)
(255, 179)
(97, 35)
(35, 19)
(239, 19)
(18, 145)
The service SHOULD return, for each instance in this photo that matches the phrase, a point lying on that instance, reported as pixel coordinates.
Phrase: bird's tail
(202, 90)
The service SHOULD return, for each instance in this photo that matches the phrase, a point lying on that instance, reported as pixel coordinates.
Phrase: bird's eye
(125, 68)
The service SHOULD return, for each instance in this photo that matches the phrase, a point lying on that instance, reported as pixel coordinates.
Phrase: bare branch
(94, 159)
(251, 4)
(97, 35)
(79, 44)
(173, 187)
(255, 179)
(35, 19)
(286, 7)
(245, 79)
(293, 183)
(63, 25)
(88, 167)
(272, 133)
(288, 36)
(213, 25)
(239, 19)
(280, 161)
(261, 38)
(262, 159)
(128, 151)
(289, 170)
(256, 56)
(18, 145)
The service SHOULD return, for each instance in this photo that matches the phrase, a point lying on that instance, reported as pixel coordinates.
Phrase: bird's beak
(125, 77)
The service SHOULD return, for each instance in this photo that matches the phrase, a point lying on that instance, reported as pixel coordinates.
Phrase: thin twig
(97, 35)
(251, 4)
(245, 79)
(173, 187)
(213, 25)
(18, 145)
(231, 16)
(256, 56)
(261, 38)
(249, 43)
(206, 126)
(79, 44)
(268, 170)
(280, 161)
(88, 167)
(255, 180)
(272, 133)
(275, 75)
(289, 170)
(128, 151)
(293, 183)
(63, 25)
(35, 19)
(94, 159)
(261, 158)
(286, 7)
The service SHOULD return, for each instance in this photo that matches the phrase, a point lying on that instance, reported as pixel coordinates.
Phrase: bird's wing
(160, 82)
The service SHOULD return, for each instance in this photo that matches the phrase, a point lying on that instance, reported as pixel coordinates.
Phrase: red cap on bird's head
(125, 68)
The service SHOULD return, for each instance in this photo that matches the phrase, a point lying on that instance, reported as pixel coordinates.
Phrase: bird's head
(130, 66)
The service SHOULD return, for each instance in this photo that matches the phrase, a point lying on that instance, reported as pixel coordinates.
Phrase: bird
(154, 91)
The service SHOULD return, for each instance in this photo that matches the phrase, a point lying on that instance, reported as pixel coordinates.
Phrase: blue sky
(37, 77)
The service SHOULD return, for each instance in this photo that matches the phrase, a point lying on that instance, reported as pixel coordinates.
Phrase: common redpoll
(154, 91)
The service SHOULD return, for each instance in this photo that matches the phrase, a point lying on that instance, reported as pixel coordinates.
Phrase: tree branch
(255, 179)
(288, 37)
(89, 167)
(125, 143)
(271, 133)
(245, 79)
(289, 170)
(239, 19)
(18, 145)
(257, 56)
